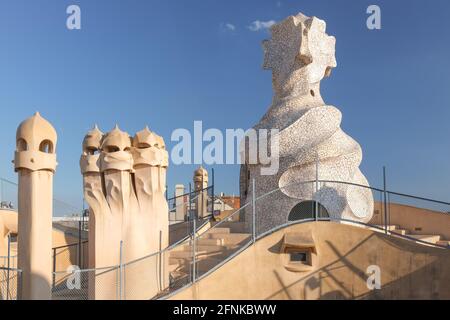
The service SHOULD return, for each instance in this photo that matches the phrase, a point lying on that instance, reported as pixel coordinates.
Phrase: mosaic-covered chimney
(311, 142)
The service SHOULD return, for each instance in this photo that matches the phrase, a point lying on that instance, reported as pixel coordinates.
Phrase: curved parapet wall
(311, 142)
(8, 225)
(344, 255)
(418, 220)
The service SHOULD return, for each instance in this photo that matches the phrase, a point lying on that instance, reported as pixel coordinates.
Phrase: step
(172, 268)
(391, 227)
(427, 238)
(219, 230)
(184, 254)
(203, 241)
(232, 238)
(235, 227)
(202, 265)
(443, 243)
(178, 274)
(223, 254)
(206, 248)
(402, 232)
(179, 278)
(181, 258)
(205, 265)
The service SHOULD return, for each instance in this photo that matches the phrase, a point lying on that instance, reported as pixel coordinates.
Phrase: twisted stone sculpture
(300, 54)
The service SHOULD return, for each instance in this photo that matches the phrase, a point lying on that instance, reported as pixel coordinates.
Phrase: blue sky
(168, 63)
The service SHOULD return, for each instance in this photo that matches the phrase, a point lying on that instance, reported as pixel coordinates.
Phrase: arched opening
(307, 210)
(22, 145)
(111, 149)
(143, 145)
(92, 151)
(46, 146)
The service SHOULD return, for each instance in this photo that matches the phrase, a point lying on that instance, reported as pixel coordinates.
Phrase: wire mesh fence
(145, 278)
(205, 250)
(203, 247)
(178, 208)
(196, 203)
(8, 262)
(88, 284)
(10, 283)
(9, 196)
(65, 257)
(184, 209)
(219, 243)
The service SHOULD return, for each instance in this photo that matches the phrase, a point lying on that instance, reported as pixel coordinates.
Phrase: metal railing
(182, 206)
(164, 273)
(384, 202)
(9, 196)
(10, 283)
(64, 257)
(75, 254)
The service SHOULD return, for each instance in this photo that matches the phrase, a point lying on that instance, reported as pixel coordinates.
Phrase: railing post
(194, 250)
(19, 285)
(213, 194)
(316, 203)
(385, 201)
(388, 208)
(190, 201)
(253, 210)
(8, 266)
(161, 271)
(79, 244)
(54, 268)
(120, 270)
(201, 198)
(1, 193)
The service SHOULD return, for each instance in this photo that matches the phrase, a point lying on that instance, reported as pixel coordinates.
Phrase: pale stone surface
(201, 183)
(35, 163)
(8, 225)
(409, 270)
(300, 54)
(180, 203)
(124, 185)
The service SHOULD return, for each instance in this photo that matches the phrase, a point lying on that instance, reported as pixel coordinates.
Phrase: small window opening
(143, 146)
(92, 151)
(111, 149)
(22, 145)
(297, 257)
(46, 146)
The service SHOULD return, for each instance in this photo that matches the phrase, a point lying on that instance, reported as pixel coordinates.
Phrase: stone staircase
(213, 247)
(433, 239)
